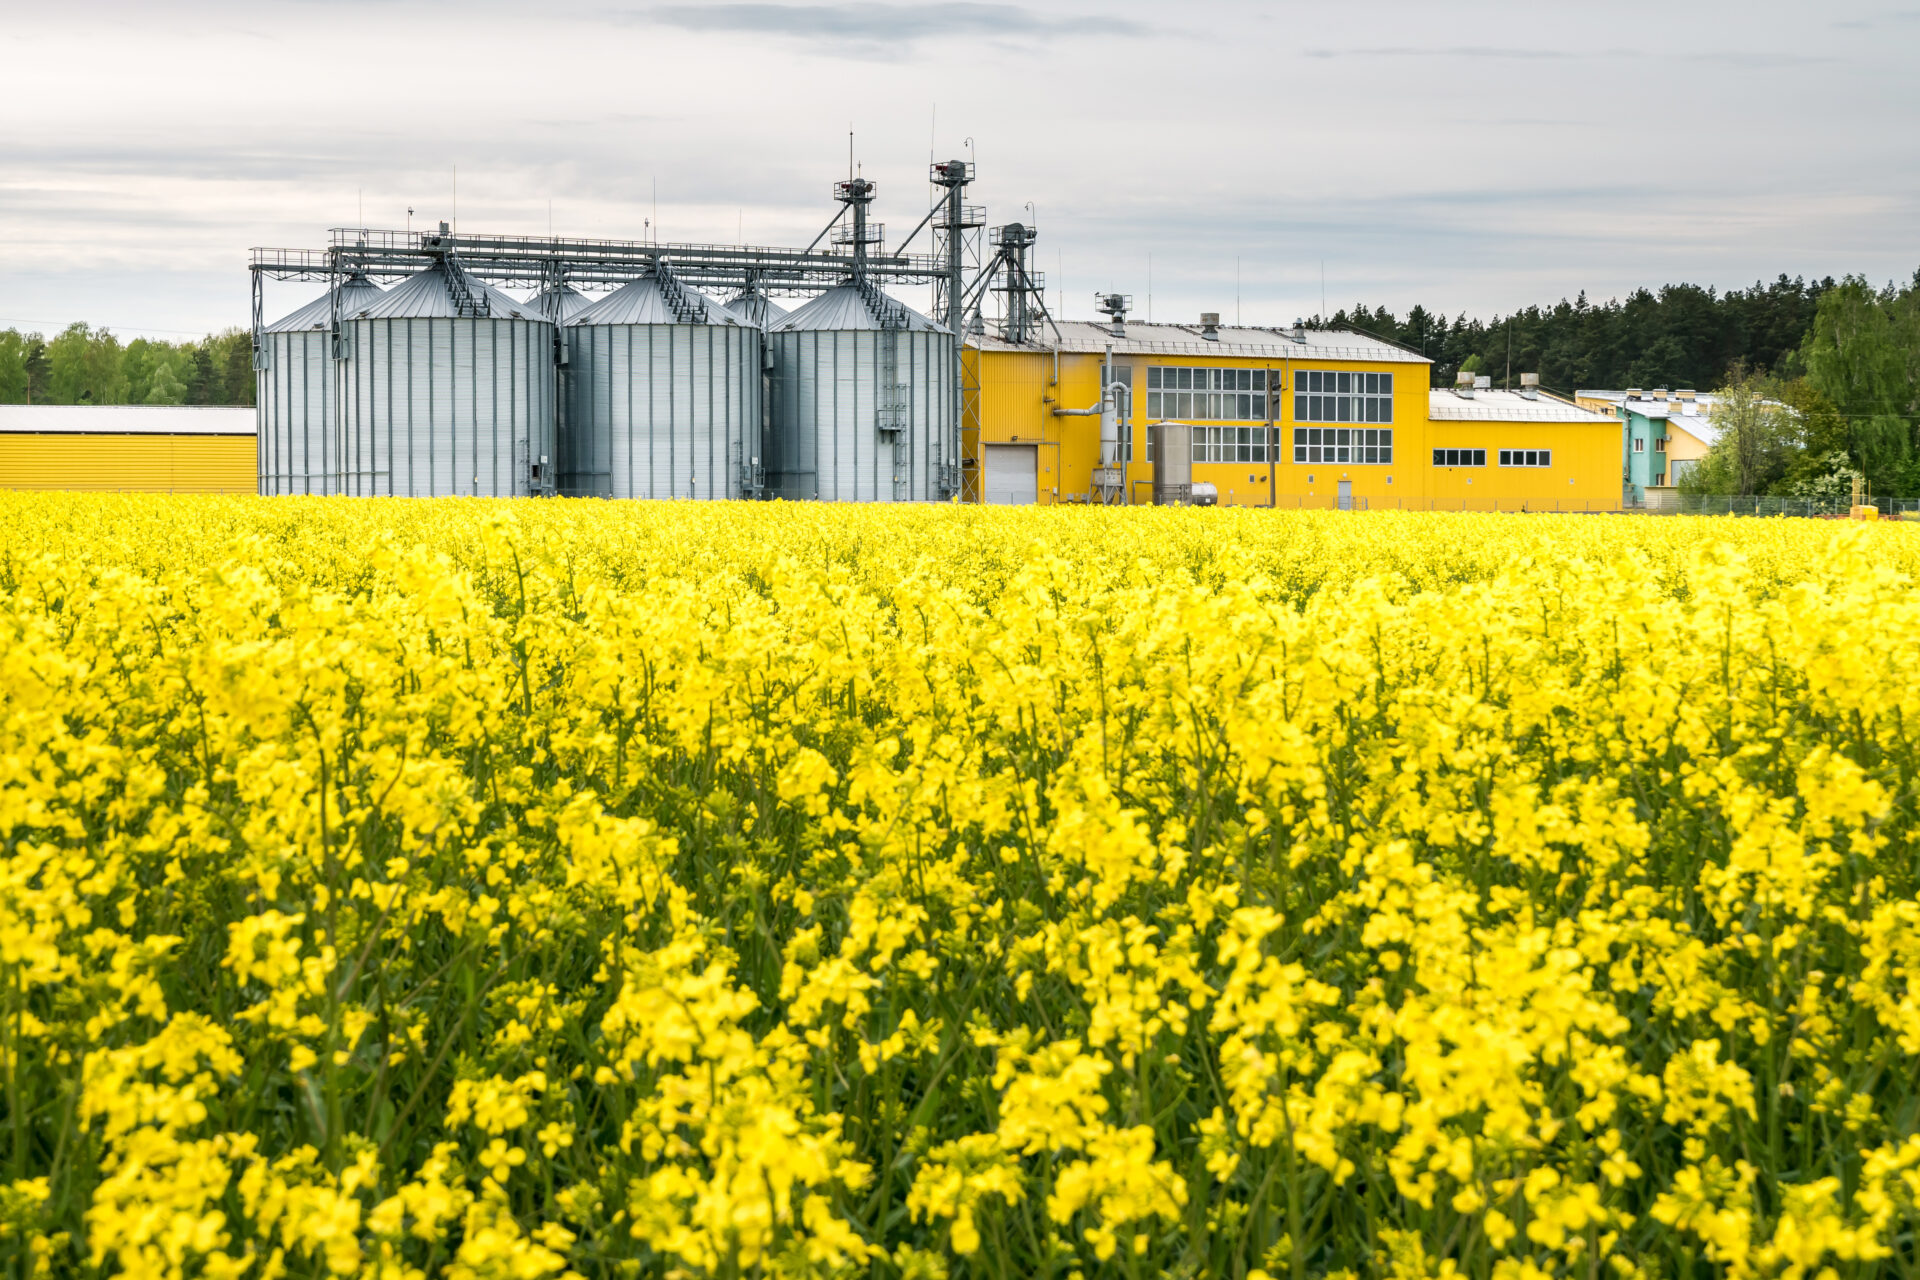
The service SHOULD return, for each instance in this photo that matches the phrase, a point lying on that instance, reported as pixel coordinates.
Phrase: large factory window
(1229, 444)
(1324, 395)
(1355, 445)
(1202, 392)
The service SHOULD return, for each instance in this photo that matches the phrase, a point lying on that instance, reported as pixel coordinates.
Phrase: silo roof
(571, 302)
(426, 295)
(645, 302)
(846, 307)
(357, 294)
(757, 308)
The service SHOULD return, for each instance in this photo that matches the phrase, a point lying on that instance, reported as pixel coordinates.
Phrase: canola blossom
(409, 889)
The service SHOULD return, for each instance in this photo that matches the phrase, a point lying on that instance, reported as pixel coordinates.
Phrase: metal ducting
(862, 400)
(449, 390)
(663, 396)
(297, 393)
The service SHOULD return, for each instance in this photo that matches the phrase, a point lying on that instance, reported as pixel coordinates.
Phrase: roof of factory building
(125, 420)
(1505, 406)
(1234, 342)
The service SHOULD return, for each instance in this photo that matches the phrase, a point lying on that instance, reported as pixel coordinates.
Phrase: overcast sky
(1470, 156)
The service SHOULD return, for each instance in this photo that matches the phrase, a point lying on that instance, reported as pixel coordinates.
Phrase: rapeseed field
(409, 889)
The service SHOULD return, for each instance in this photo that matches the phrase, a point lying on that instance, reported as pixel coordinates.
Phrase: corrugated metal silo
(296, 400)
(450, 391)
(862, 398)
(756, 308)
(560, 304)
(663, 396)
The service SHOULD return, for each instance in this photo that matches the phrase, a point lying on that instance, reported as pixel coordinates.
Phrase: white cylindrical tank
(296, 396)
(663, 396)
(862, 400)
(449, 390)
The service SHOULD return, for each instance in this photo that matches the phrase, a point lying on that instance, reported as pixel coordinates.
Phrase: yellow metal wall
(1017, 392)
(147, 463)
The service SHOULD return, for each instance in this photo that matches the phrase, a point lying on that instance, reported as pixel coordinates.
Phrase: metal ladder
(469, 298)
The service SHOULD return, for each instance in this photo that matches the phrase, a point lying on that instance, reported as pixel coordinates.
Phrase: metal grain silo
(450, 390)
(663, 396)
(559, 303)
(756, 308)
(297, 396)
(862, 399)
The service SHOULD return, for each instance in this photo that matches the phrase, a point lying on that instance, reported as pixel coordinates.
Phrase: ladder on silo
(468, 301)
(892, 411)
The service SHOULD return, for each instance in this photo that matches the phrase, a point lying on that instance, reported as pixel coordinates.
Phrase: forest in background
(85, 365)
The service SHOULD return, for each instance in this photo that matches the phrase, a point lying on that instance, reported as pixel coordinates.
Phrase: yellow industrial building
(1279, 417)
(133, 448)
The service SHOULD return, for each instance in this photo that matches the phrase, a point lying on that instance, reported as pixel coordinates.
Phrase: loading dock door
(1013, 474)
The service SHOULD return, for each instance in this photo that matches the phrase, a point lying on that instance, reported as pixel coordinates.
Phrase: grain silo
(756, 308)
(297, 396)
(663, 396)
(559, 303)
(450, 390)
(862, 399)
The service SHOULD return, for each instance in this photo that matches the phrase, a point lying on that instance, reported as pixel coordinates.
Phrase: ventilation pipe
(1463, 385)
(1530, 386)
(1210, 325)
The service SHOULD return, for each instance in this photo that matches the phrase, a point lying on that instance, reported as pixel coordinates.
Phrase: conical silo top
(651, 300)
(560, 304)
(757, 308)
(851, 307)
(357, 294)
(429, 294)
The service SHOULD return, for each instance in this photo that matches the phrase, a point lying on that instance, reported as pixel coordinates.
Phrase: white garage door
(1013, 474)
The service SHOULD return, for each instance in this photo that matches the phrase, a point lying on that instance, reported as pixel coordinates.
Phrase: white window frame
(1335, 445)
(1199, 393)
(1343, 396)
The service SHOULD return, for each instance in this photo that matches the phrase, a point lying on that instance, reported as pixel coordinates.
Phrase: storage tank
(862, 399)
(559, 304)
(756, 308)
(663, 396)
(450, 390)
(296, 400)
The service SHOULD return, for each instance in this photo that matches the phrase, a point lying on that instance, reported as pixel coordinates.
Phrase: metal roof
(561, 304)
(1234, 342)
(428, 295)
(647, 302)
(126, 419)
(1506, 406)
(756, 308)
(848, 308)
(357, 293)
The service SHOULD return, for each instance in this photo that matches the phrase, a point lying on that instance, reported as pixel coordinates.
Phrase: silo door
(1013, 474)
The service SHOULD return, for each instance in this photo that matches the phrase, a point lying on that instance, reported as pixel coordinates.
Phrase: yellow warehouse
(1280, 417)
(145, 448)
